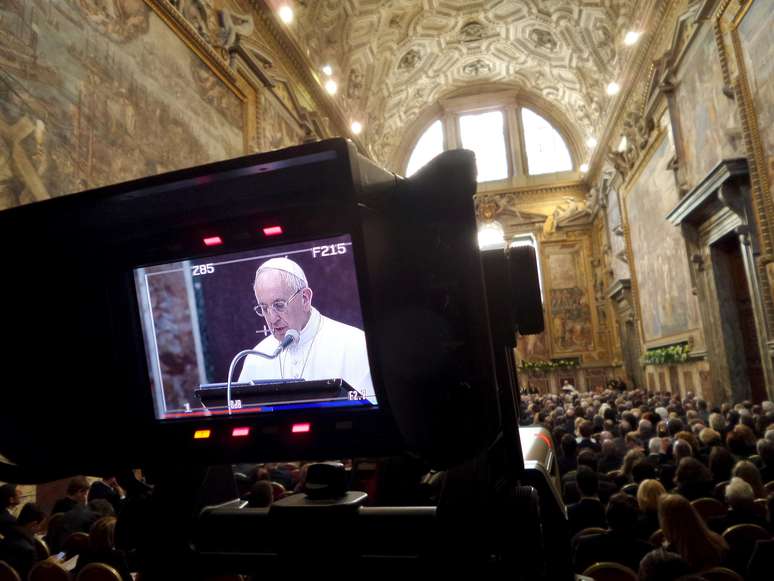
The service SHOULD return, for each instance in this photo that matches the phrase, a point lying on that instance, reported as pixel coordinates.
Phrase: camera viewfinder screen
(286, 319)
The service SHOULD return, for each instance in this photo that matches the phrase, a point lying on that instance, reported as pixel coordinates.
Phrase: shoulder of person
(348, 331)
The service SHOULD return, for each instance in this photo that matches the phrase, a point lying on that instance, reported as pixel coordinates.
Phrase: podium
(275, 392)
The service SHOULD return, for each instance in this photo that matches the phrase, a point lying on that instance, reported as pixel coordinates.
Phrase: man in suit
(9, 499)
(77, 493)
(18, 547)
(620, 544)
(588, 511)
(107, 488)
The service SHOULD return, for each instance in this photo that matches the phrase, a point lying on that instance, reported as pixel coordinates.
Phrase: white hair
(290, 281)
(767, 406)
(654, 445)
(739, 491)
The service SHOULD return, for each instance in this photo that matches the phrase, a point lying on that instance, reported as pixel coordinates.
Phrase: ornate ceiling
(395, 58)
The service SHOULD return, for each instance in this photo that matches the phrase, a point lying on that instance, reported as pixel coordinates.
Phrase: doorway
(737, 321)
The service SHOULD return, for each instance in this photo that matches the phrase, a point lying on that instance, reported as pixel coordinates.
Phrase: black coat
(18, 550)
(616, 546)
(587, 512)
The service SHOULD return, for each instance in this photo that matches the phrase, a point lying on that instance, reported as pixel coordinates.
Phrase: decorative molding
(197, 43)
(762, 203)
(303, 68)
(693, 207)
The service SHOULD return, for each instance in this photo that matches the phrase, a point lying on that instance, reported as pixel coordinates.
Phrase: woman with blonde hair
(687, 534)
(749, 472)
(648, 493)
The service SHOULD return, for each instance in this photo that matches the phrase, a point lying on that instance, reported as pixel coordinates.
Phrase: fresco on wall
(531, 347)
(667, 305)
(706, 117)
(570, 312)
(756, 32)
(93, 93)
(277, 128)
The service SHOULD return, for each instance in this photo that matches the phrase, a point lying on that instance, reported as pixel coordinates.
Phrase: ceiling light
(632, 37)
(613, 88)
(584, 167)
(328, 70)
(356, 127)
(286, 14)
(591, 142)
(331, 86)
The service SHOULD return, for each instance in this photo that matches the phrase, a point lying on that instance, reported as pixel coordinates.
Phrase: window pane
(428, 146)
(546, 150)
(484, 134)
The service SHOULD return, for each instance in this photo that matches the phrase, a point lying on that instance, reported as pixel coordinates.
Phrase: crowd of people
(633, 466)
(638, 473)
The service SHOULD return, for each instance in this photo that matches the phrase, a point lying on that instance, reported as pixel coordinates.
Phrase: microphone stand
(290, 337)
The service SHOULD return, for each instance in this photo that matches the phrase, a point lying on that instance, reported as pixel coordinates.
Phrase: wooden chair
(75, 544)
(769, 487)
(614, 473)
(590, 531)
(48, 570)
(631, 489)
(720, 490)
(610, 572)
(721, 574)
(709, 507)
(98, 572)
(761, 506)
(741, 540)
(657, 538)
(8, 573)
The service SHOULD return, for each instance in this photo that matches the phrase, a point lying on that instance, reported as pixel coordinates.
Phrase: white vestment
(326, 349)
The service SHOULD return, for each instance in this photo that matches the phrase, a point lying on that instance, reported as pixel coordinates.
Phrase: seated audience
(588, 511)
(721, 462)
(9, 500)
(741, 507)
(648, 494)
(693, 480)
(77, 494)
(766, 452)
(748, 472)
(18, 545)
(102, 548)
(663, 565)
(261, 495)
(619, 544)
(687, 535)
(107, 488)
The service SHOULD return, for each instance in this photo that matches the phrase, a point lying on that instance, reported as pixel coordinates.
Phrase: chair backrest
(8, 573)
(590, 531)
(720, 490)
(48, 571)
(75, 544)
(761, 507)
(721, 574)
(657, 538)
(769, 487)
(614, 473)
(610, 572)
(709, 507)
(741, 540)
(98, 572)
(631, 489)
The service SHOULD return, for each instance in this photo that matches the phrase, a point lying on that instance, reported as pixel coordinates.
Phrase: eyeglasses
(279, 306)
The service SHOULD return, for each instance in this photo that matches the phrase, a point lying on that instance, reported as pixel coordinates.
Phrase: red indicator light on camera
(213, 241)
(301, 428)
(240, 432)
(272, 230)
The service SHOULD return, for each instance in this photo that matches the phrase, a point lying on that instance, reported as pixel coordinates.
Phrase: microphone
(291, 336)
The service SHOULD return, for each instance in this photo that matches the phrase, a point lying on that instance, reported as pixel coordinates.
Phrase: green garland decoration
(548, 365)
(667, 355)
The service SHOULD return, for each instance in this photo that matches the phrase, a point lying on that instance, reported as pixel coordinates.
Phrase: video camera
(128, 304)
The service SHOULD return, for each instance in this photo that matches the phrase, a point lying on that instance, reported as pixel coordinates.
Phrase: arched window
(546, 150)
(428, 146)
(508, 139)
(484, 134)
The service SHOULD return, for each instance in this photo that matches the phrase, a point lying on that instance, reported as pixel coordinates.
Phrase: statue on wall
(569, 210)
